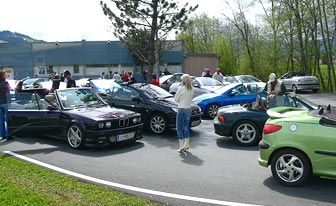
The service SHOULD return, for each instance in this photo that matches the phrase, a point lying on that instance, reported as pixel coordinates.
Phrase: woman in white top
(183, 97)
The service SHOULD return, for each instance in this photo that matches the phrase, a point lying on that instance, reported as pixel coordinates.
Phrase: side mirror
(231, 94)
(136, 99)
(197, 85)
(51, 108)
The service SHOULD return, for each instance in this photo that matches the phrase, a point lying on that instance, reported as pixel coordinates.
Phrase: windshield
(74, 98)
(100, 86)
(153, 91)
(206, 81)
(308, 102)
(248, 79)
(226, 88)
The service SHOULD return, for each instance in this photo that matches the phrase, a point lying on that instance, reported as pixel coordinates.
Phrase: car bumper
(264, 153)
(308, 86)
(222, 128)
(115, 136)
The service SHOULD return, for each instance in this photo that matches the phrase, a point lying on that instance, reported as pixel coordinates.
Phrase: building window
(76, 69)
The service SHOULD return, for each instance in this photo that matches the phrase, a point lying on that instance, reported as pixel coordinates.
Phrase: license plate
(196, 122)
(122, 137)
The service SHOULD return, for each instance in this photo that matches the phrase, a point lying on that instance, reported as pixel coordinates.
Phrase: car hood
(171, 103)
(101, 113)
(212, 88)
(205, 96)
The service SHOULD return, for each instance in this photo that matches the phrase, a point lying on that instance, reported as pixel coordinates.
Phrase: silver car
(297, 81)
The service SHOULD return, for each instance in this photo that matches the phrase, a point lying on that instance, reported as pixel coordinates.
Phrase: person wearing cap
(274, 89)
(68, 79)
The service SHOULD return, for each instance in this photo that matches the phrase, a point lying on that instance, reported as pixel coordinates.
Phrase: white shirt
(183, 97)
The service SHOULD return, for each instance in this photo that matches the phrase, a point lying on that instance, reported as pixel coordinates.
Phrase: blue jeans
(183, 123)
(3, 120)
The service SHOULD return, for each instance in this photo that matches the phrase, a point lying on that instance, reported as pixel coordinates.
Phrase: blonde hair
(185, 78)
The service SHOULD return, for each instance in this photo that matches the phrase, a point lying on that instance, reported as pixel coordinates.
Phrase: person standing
(4, 101)
(275, 90)
(218, 75)
(68, 79)
(155, 81)
(183, 97)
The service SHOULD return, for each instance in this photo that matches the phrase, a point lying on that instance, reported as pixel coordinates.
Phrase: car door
(30, 114)
(126, 97)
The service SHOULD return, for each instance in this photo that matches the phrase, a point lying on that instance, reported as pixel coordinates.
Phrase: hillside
(14, 37)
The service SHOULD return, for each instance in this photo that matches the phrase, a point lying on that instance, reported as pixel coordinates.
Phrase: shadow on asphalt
(56, 145)
(229, 143)
(317, 189)
(191, 159)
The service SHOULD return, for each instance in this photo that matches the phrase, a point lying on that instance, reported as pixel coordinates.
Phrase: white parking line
(127, 187)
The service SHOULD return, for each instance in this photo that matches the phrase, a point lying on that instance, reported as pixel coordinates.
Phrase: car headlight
(108, 124)
(136, 120)
(100, 125)
(174, 109)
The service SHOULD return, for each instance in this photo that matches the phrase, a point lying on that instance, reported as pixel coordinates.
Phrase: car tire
(75, 136)
(158, 124)
(294, 88)
(246, 133)
(290, 167)
(211, 111)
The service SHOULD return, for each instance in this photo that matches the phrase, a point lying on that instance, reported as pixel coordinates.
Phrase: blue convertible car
(235, 93)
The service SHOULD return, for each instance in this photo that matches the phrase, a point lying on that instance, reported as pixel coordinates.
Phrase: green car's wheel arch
(158, 123)
(211, 110)
(246, 133)
(75, 136)
(291, 167)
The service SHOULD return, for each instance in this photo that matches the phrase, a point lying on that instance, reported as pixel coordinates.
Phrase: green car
(299, 143)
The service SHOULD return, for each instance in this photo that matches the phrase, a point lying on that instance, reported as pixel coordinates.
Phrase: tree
(157, 17)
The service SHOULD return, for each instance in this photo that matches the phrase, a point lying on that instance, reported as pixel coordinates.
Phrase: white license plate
(196, 122)
(122, 137)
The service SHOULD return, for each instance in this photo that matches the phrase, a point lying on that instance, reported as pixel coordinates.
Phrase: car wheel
(294, 88)
(246, 133)
(158, 123)
(290, 167)
(75, 136)
(211, 110)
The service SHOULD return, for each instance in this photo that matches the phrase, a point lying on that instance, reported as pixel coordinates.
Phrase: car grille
(123, 122)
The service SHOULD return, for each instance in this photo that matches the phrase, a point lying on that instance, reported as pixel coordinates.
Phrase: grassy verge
(22, 183)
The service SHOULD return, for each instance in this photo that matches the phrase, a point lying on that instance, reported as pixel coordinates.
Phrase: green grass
(22, 183)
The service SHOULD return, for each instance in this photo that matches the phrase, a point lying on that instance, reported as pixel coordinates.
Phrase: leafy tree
(157, 17)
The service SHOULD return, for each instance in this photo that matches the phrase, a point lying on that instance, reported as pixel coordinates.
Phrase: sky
(72, 20)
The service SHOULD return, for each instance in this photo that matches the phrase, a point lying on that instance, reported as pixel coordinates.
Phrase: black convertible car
(76, 114)
(156, 105)
(245, 123)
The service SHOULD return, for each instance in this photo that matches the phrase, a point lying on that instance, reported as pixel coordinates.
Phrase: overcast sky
(71, 20)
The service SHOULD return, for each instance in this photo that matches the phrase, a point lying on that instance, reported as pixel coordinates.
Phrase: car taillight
(221, 118)
(270, 128)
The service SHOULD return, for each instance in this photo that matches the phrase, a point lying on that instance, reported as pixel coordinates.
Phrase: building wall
(194, 64)
(81, 58)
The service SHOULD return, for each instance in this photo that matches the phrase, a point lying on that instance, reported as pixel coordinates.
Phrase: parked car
(245, 79)
(297, 143)
(298, 81)
(235, 93)
(245, 123)
(156, 105)
(76, 114)
(167, 80)
(201, 85)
